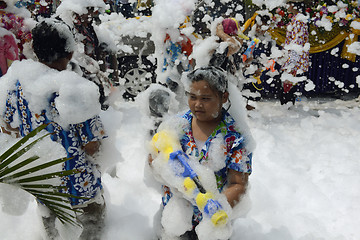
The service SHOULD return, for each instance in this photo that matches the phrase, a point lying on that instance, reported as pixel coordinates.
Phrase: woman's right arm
(234, 45)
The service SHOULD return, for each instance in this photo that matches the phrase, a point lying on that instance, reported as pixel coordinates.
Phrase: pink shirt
(15, 24)
(8, 49)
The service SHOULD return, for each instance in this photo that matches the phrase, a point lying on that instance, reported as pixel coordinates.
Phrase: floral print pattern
(297, 33)
(86, 183)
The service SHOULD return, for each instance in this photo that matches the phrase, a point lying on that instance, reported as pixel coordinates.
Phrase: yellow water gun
(167, 144)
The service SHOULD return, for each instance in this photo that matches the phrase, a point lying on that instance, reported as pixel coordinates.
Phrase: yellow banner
(320, 41)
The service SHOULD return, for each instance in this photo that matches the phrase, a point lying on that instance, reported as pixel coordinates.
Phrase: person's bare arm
(234, 45)
(237, 186)
(239, 39)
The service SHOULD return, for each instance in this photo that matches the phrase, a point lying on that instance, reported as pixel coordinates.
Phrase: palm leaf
(41, 177)
(52, 195)
(23, 140)
(19, 153)
(14, 170)
(40, 186)
(8, 170)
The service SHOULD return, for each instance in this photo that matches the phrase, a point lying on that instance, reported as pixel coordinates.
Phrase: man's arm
(93, 131)
(237, 186)
(234, 46)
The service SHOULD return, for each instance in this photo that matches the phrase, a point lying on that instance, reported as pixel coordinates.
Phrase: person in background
(177, 56)
(207, 11)
(201, 129)
(15, 24)
(125, 8)
(111, 5)
(259, 65)
(53, 45)
(41, 8)
(228, 31)
(297, 46)
(45, 8)
(97, 61)
(144, 7)
(9, 51)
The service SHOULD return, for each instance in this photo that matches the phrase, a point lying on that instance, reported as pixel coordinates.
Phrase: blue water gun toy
(166, 144)
(249, 51)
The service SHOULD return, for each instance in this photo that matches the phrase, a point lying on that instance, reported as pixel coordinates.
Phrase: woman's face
(204, 102)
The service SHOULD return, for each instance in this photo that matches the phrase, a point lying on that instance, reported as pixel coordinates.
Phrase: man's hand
(92, 147)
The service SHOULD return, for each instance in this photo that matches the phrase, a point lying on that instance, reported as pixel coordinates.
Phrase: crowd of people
(61, 40)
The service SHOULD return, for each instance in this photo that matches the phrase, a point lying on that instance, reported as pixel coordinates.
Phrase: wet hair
(52, 40)
(214, 76)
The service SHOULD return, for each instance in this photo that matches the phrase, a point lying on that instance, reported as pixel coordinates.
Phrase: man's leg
(49, 225)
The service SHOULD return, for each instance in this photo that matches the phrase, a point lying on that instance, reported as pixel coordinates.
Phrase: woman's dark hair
(214, 76)
(52, 40)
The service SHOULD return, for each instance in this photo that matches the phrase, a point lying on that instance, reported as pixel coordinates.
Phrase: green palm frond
(15, 170)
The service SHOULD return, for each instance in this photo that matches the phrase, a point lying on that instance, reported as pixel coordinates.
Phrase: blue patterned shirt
(86, 183)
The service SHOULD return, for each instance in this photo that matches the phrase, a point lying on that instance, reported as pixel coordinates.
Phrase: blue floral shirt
(86, 183)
